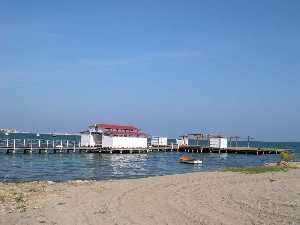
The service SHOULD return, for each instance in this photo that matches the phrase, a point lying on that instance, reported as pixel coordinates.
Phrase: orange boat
(185, 158)
(189, 160)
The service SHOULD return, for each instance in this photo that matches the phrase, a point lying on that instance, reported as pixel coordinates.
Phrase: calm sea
(63, 167)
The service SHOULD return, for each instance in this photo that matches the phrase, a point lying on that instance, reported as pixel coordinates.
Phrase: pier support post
(39, 143)
(7, 144)
(47, 143)
(74, 147)
(24, 143)
(67, 143)
(14, 144)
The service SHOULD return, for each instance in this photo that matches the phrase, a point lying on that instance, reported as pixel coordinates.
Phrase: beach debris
(61, 203)
(79, 181)
(283, 164)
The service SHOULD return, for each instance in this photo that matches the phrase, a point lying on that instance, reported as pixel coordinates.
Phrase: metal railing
(37, 143)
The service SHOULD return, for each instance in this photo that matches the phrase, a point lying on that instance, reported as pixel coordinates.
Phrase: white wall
(107, 142)
(184, 141)
(115, 142)
(129, 142)
(223, 143)
(87, 140)
(218, 142)
(162, 141)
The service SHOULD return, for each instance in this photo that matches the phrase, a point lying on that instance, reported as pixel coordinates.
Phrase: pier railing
(37, 143)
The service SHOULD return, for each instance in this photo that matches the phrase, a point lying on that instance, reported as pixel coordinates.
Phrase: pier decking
(64, 146)
(231, 150)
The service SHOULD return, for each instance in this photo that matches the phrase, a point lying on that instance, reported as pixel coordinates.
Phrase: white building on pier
(218, 142)
(113, 136)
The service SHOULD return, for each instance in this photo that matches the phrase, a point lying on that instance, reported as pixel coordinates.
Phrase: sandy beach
(195, 198)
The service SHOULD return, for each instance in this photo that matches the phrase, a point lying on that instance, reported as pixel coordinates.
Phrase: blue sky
(169, 67)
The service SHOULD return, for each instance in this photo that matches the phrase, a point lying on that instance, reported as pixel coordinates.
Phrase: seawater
(73, 166)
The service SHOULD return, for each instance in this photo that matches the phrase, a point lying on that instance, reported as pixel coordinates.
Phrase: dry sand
(197, 198)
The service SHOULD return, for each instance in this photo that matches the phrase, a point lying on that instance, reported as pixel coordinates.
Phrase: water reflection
(131, 164)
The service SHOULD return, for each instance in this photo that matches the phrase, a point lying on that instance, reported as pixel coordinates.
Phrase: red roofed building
(114, 136)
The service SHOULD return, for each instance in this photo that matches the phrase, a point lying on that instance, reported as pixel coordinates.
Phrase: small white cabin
(159, 141)
(183, 140)
(218, 142)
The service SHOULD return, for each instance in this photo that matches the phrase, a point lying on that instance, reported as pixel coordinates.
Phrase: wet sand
(195, 198)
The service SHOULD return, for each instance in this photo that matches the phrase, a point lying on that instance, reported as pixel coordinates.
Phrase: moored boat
(192, 161)
(189, 160)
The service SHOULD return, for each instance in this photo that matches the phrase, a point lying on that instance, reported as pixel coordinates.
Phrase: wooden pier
(231, 150)
(66, 146)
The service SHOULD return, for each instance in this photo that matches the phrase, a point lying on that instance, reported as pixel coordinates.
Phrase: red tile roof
(135, 134)
(115, 126)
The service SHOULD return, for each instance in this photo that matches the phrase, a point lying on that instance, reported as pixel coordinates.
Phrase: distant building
(183, 140)
(218, 142)
(113, 136)
(7, 131)
(159, 141)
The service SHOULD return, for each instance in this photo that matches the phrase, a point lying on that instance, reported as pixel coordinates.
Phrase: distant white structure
(183, 140)
(87, 139)
(9, 130)
(159, 141)
(113, 136)
(218, 142)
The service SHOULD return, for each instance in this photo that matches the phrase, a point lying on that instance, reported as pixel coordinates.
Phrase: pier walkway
(65, 146)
